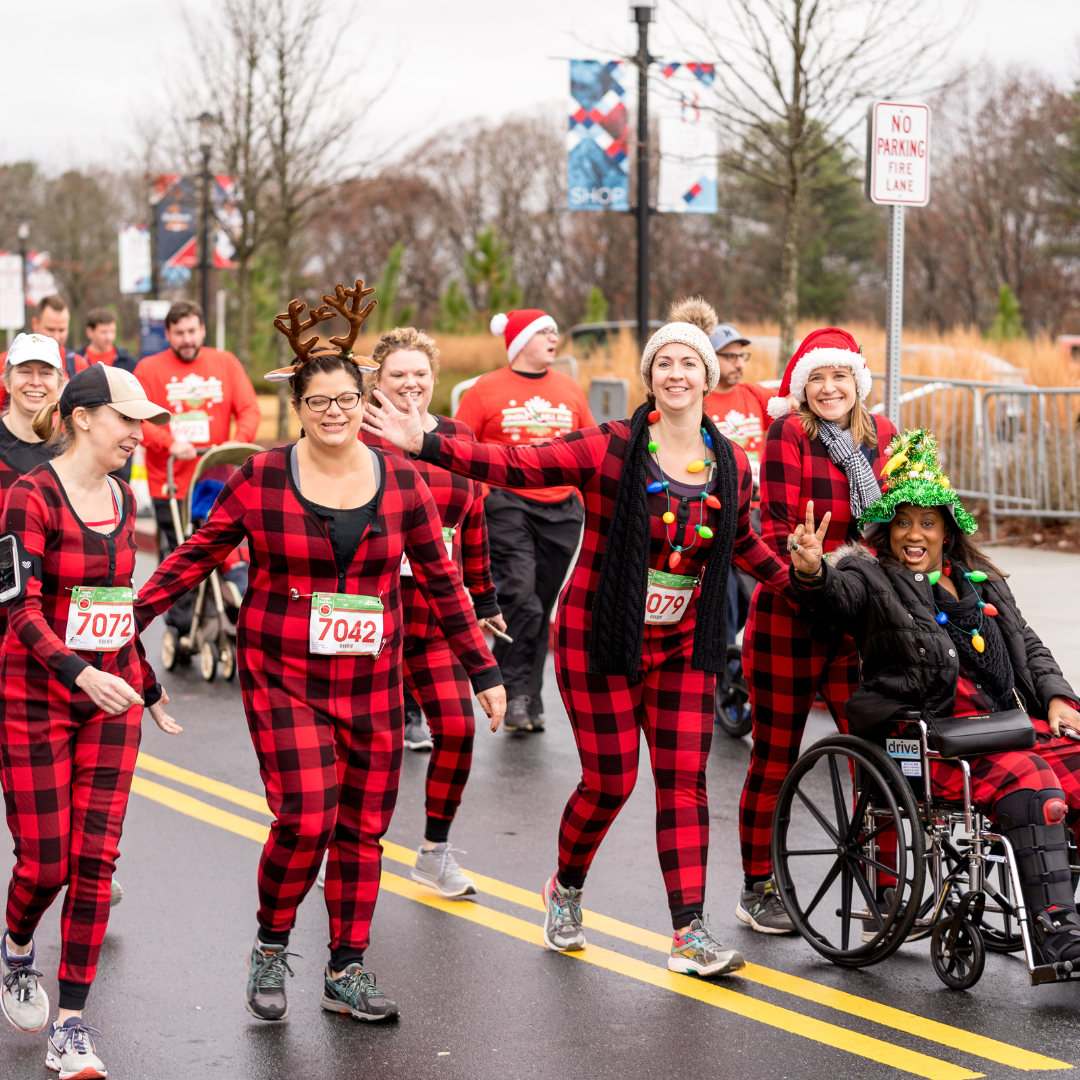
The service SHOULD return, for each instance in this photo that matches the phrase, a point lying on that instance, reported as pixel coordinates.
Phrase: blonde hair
(406, 339)
(862, 427)
(58, 434)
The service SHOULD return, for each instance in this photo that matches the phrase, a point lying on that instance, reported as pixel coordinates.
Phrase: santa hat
(519, 326)
(830, 347)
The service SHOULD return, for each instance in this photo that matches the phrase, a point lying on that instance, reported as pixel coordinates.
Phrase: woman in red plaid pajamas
(652, 572)
(408, 368)
(939, 633)
(319, 652)
(75, 681)
(829, 451)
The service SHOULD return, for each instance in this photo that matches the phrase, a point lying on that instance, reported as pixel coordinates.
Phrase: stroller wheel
(227, 659)
(208, 661)
(170, 648)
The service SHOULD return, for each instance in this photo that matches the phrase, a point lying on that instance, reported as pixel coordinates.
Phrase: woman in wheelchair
(939, 634)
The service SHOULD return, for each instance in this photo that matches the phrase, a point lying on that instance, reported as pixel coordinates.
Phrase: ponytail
(46, 428)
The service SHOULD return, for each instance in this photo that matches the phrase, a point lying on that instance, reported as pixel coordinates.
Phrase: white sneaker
(439, 869)
(116, 893)
(71, 1051)
(321, 879)
(22, 1000)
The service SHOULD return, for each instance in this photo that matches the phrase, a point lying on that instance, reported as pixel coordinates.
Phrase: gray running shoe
(517, 714)
(267, 968)
(23, 1001)
(72, 1052)
(563, 931)
(417, 736)
(699, 952)
(321, 879)
(439, 869)
(116, 893)
(762, 910)
(354, 992)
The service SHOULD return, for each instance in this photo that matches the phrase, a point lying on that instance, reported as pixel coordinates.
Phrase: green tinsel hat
(913, 475)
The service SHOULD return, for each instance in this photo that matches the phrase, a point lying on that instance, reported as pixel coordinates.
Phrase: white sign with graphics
(898, 154)
(134, 247)
(12, 301)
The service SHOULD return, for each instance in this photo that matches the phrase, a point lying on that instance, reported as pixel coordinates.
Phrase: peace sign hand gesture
(805, 544)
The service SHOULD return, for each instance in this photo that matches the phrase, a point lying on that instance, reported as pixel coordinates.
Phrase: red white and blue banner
(176, 226)
(689, 142)
(598, 166)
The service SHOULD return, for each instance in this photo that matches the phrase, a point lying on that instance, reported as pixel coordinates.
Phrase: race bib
(345, 624)
(448, 535)
(100, 619)
(668, 596)
(192, 427)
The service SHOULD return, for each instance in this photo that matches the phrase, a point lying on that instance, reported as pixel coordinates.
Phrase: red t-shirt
(105, 358)
(512, 409)
(741, 415)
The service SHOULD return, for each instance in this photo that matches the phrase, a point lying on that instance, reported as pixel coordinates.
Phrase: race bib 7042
(343, 624)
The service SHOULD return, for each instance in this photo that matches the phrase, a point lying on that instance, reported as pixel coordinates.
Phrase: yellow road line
(887, 1016)
(710, 993)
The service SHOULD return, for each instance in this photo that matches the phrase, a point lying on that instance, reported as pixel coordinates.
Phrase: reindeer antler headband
(307, 350)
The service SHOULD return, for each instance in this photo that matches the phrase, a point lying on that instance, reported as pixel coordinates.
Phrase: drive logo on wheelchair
(909, 753)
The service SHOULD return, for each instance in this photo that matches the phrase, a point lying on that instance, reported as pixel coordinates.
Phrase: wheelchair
(864, 861)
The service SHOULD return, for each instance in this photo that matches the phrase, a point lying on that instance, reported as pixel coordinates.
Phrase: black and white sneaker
(417, 736)
(354, 992)
(517, 714)
(267, 967)
(22, 999)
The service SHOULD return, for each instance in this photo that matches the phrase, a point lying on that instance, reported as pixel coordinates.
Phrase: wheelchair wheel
(836, 844)
(963, 966)
(170, 648)
(208, 661)
(733, 697)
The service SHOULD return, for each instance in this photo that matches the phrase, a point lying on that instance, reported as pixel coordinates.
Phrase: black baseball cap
(113, 386)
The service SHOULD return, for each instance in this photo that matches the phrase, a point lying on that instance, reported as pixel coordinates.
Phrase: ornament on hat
(829, 347)
(517, 328)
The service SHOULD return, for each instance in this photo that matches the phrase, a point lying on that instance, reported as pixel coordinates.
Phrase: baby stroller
(208, 626)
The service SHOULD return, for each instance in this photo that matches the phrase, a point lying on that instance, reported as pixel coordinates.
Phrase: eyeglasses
(734, 357)
(345, 402)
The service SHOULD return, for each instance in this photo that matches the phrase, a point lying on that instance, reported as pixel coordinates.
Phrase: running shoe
(321, 879)
(439, 869)
(699, 952)
(354, 992)
(762, 910)
(267, 968)
(417, 736)
(563, 931)
(517, 714)
(72, 1052)
(116, 893)
(23, 1001)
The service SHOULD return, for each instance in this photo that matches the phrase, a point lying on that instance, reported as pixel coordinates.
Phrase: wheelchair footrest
(1062, 971)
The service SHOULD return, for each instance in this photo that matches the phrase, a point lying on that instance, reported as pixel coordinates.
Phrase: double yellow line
(720, 996)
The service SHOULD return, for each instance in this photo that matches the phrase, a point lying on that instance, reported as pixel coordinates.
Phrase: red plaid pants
(785, 669)
(437, 680)
(66, 779)
(673, 704)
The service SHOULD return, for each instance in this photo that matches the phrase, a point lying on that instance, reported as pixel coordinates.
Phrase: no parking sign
(898, 153)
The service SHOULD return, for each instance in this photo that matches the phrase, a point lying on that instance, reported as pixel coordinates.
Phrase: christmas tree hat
(913, 475)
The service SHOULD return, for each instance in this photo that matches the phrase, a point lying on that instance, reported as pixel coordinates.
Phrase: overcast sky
(75, 75)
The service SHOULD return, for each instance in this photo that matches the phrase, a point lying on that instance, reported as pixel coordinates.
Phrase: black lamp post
(23, 233)
(643, 14)
(206, 123)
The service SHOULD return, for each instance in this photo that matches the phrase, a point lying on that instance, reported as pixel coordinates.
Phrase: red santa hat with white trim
(518, 327)
(830, 347)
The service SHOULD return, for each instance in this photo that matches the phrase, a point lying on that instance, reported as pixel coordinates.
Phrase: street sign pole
(894, 314)
(643, 15)
(897, 176)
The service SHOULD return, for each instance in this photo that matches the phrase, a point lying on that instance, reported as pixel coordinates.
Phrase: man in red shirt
(204, 389)
(532, 534)
(101, 347)
(52, 320)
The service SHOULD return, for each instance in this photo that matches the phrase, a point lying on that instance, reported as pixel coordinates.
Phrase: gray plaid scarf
(846, 455)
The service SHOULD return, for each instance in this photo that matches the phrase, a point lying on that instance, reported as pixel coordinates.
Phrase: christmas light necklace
(978, 643)
(655, 487)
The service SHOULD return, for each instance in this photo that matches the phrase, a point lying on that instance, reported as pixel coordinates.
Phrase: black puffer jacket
(908, 660)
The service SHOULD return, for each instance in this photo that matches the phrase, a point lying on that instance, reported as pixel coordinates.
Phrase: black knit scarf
(618, 613)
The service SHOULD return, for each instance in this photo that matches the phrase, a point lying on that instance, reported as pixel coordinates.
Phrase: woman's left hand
(493, 702)
(1061, 713)
(162, 718)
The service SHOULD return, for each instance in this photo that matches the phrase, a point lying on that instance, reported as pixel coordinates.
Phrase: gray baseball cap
(724, 335)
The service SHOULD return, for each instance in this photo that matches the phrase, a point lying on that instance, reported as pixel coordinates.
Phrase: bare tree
(789, 75)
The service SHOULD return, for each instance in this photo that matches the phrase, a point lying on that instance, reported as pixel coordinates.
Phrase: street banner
(175, 204)
(689, 141)
(12, 301)
(152, 327)
(134, 245)
(598, 166)
(39, 279)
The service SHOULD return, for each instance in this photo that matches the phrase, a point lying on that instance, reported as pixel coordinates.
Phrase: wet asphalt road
(479, 997)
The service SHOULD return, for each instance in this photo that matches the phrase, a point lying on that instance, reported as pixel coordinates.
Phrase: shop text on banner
(598, 166)
(134, 246)
(689, 143)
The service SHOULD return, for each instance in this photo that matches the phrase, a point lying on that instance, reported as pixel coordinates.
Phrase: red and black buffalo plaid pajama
(671, 702)
(432, 672)
(327, 729)
(785, 667)
(65, 765)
